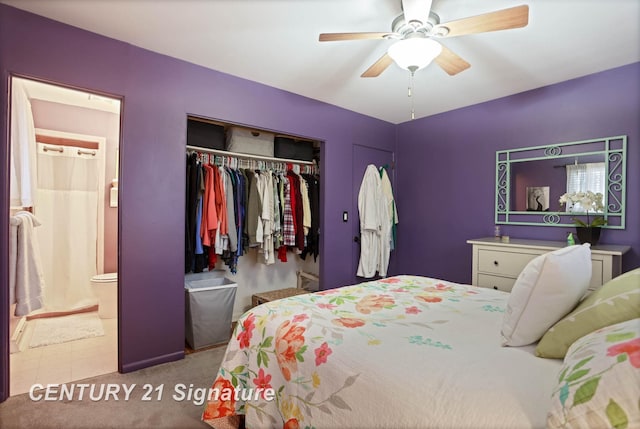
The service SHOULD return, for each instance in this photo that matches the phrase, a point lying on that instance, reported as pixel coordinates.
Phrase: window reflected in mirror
(587, 177)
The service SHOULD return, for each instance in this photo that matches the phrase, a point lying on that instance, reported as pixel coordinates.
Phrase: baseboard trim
(146, 363)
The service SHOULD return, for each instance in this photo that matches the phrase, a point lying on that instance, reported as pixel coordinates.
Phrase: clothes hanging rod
(249, 156)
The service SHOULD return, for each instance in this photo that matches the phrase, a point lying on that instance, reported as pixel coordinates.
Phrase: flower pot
(590, 234)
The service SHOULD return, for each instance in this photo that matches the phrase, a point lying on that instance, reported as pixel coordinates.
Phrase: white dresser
(497, 265)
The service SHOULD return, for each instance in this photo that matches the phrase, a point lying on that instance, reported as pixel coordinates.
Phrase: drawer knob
(495, 263)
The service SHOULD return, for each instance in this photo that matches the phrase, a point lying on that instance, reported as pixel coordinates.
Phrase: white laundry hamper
(209, 300)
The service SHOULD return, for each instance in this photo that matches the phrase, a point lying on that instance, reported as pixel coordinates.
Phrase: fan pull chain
(410, 95)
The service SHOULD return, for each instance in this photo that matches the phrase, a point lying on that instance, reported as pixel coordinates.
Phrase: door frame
(5, 372)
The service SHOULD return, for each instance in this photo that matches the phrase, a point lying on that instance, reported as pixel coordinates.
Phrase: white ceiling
(275, 42)
(58, 94)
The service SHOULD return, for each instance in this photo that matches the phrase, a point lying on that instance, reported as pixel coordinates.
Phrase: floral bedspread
(404, 351)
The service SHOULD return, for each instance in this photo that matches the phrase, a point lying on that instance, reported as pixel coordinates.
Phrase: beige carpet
(199, 369)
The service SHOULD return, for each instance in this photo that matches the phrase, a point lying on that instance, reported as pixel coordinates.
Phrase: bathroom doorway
(63, 241)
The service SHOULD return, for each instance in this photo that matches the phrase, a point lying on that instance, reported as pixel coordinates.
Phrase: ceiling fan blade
(378, 67)
(416, 10)
(505, 19)
(332, 37)
(451, 62)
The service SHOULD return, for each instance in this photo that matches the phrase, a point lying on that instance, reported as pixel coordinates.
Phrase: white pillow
(546, 290)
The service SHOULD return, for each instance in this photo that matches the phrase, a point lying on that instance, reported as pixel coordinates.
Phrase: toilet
(105, 287)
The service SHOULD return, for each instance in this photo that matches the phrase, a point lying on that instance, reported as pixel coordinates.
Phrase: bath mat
(55, 330)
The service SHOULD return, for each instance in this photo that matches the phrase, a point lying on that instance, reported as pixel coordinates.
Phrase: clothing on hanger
(234, 204)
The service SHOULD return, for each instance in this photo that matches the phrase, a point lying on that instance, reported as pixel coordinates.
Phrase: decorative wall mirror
(531, 180)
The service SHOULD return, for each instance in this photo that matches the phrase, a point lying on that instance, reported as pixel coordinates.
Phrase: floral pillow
(599, 383)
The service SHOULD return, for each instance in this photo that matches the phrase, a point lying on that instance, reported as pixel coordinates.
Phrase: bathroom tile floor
(65, 362)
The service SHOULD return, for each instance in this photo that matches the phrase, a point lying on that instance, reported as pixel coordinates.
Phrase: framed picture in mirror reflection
(537, 198)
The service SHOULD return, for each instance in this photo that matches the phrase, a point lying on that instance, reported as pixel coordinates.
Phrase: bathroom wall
(80, 120)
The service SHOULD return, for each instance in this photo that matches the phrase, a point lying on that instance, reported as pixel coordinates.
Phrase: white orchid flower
(589, 202)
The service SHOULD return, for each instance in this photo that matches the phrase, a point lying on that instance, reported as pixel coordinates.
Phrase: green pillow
(616, 301)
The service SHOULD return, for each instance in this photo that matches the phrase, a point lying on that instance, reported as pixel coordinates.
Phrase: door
(362, 157)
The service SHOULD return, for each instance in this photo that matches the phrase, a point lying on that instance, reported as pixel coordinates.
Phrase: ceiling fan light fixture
(414, 53)
(441, 31)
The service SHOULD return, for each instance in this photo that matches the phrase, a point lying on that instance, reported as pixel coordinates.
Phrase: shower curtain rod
(91, 152)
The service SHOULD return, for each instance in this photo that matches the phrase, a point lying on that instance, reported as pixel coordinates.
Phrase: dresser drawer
(597, 274)
(508, 264)
(498, 264)
(496, 282)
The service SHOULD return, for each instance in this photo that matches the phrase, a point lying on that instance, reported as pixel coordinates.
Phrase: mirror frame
(614, 151)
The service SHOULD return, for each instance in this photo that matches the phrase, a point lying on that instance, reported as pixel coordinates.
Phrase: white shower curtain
(67, 196)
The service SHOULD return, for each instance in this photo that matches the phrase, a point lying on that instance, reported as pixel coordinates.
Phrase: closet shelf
(249, 156)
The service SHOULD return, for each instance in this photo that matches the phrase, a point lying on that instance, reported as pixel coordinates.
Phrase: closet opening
(270, 183)
(63, 241)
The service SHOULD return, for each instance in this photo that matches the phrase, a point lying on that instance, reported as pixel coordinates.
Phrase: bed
(400, 352)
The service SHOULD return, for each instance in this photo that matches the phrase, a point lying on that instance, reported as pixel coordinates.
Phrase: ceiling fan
(417, 28)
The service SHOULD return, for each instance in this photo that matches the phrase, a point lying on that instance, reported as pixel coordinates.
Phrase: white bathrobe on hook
(387, 227)
(375, 226)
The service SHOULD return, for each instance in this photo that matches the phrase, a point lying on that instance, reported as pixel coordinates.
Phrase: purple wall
(439, 210)
(158, 93)
(446, 166)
